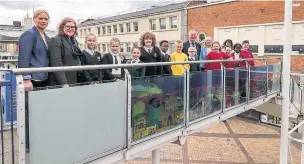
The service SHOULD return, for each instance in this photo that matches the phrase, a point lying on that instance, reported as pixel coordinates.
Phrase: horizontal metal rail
(111, 66)
(8, 61)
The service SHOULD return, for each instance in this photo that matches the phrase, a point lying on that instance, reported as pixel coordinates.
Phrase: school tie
(149, 50)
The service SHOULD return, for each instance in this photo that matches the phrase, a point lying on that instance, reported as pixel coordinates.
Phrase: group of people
(36, 49)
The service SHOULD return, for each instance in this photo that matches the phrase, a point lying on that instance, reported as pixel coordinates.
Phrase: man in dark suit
(192, 42)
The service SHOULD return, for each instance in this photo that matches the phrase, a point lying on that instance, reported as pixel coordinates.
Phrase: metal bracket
(129, 107)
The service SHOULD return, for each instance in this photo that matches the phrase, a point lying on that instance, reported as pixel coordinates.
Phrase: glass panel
(235, 86)
(76, 123)
(257, 82)
(205, 93)
(157, 104)
(274, 77)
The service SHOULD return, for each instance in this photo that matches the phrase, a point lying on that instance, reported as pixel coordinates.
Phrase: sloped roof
(142, 13)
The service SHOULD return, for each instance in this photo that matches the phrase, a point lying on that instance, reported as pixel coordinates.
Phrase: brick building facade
(236, 13)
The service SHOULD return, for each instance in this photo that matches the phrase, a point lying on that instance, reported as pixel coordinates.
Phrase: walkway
(237, 141)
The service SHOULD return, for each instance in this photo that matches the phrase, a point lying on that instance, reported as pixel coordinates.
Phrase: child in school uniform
(150, 53)
(113, 57)
(91, 57)
(192, 52)
(136, 71)
(178, 56)
(215, 54)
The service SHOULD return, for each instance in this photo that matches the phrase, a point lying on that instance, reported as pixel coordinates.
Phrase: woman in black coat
(64, 51)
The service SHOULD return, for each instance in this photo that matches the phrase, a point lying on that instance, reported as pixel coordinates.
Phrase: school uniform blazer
(33, 53)
(61, 54)
(107, 73)
(88, 59)
(166, 68)
(136, 71)
(194, 67)
(186, 46)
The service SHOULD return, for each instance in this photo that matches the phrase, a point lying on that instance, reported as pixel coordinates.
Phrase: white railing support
(156, 156)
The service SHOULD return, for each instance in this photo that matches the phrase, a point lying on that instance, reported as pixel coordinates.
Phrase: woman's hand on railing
(66, 86)
(28, 85)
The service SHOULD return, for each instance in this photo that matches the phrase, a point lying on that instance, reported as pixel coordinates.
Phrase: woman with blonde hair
(33, 45)
(205, 50)
(64, 51)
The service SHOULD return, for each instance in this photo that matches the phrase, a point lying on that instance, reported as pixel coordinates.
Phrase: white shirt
(91, 52)
(236, 55)
(116, 71)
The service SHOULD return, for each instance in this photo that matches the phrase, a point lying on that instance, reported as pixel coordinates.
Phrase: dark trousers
(36, 84)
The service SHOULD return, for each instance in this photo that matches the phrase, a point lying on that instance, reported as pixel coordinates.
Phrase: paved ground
(237, 141)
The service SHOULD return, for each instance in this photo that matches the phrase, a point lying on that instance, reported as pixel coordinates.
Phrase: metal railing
(190, 101)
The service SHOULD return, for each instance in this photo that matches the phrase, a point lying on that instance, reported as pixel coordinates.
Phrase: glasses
(69, 27)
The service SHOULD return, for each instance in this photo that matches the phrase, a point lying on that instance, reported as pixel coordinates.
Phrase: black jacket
(136, 71)
(194, 67)
(88, 59)
(154, 56)
(62, 53)
(186, 46)
(166, 68)
(107, 73)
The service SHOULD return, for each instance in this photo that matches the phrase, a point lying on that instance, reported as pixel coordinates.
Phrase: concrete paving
(236, 141)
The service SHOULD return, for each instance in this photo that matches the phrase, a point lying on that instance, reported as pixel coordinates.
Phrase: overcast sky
(78, 9)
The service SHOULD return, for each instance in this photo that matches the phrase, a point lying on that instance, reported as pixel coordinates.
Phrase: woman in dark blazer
(91, 57)
(33, 45)
(64, 51)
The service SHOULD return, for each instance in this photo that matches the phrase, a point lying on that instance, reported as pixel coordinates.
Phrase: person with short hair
(164, 45)
(113, 57)
(192, 52)
(150, 53)
(246, 54)
(178, 56)
(91, 57)
(64, 51)
(192, 42)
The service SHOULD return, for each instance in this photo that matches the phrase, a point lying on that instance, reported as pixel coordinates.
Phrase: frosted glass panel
(68, 125)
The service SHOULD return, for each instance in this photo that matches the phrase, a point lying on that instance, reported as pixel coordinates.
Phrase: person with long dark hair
(64, 51)
(33, 45)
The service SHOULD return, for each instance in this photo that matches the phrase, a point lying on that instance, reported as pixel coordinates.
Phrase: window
(115, 29)
(121, 28)
(109, 29)
(121, 48)
(128, 27)
(162, 23)
(128, 47)
(104, 48)
(85, 32)
(89, 30)
(135, 26)
(153, 24)
(103, 30)
(172, 47)
(98, 30)
(173, 22)
(98, 47)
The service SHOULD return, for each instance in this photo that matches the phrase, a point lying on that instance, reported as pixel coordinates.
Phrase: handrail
(8, 61)
(111, 66)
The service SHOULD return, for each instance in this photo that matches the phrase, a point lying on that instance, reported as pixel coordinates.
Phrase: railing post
(21, 118)
(267, 82)
(129, 107)
(248, 82)
(223, 87)
(186, 96)
(236, 86)
(156, 156)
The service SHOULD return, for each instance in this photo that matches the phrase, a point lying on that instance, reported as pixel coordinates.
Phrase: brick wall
(204, 19)
(296, 60)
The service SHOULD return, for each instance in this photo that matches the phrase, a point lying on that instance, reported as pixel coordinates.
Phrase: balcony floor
(236, 141)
